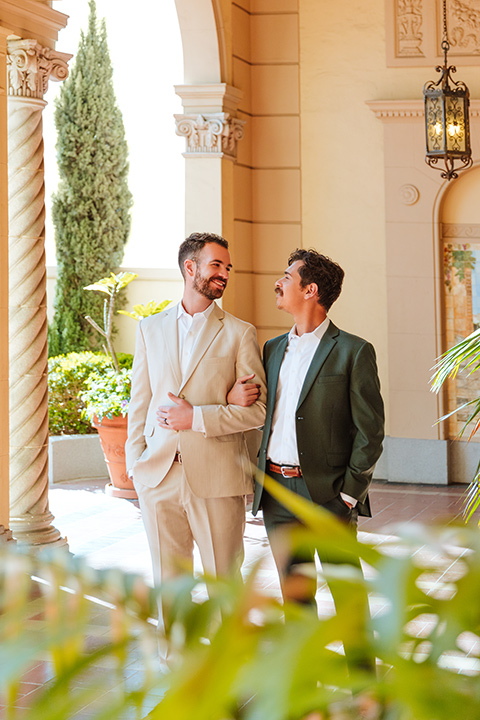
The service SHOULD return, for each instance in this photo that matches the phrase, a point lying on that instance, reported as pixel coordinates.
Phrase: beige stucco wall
(343, 65)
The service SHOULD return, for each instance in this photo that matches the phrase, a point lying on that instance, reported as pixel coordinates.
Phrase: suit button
(299, 418)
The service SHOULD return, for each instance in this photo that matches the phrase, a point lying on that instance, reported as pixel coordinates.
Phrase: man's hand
(244, 393)
(176, 417)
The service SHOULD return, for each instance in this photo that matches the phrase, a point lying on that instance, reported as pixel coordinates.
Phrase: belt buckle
(283, 469)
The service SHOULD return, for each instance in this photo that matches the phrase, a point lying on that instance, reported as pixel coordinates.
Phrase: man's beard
(203, 286)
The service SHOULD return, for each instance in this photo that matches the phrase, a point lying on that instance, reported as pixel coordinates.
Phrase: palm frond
(466, 353)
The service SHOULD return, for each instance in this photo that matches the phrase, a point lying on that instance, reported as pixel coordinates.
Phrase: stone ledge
(75, 457)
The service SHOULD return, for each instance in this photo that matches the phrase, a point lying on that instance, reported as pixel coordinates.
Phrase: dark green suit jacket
(339, 417)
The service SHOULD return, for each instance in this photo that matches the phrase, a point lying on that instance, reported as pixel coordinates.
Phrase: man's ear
(311, 290)
(189, 266)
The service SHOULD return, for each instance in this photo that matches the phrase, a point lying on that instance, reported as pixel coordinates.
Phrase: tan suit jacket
(216, 462)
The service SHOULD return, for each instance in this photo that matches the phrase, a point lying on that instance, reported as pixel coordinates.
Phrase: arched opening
(460, 281)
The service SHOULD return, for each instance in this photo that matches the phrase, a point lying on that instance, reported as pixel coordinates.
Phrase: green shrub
(107, 393)
(67, 375)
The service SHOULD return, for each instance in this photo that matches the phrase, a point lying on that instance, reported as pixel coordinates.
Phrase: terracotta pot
(113, 436)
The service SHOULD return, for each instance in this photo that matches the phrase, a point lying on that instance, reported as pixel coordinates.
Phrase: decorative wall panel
(415, 30)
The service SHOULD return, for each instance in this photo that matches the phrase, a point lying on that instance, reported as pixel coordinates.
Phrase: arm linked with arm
(227, 419)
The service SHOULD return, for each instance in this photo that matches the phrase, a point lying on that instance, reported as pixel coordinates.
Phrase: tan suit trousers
(175, 518)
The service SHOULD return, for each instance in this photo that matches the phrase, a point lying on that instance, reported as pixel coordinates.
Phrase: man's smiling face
(212, 271)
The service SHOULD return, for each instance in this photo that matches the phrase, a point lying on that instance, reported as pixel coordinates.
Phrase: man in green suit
(324, 422)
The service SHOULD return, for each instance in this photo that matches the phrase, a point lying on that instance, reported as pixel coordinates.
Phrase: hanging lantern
(446, 117)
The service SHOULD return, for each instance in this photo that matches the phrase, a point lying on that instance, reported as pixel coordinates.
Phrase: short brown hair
(319, 269)
(194, 244)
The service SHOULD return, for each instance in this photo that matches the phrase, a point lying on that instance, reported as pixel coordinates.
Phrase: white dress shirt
(189, 330)
(282, 446)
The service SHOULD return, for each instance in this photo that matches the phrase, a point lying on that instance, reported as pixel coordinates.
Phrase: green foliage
(66, 380)
(91, 210)
(66, 616)
(254, 660)
(143, 311)
(463, 357)
(107, 393)
(67, 376)
(111, 286)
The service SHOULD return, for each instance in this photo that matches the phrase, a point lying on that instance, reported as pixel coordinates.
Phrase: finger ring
(165, 421)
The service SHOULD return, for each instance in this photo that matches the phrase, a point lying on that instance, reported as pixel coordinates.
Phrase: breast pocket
(330, 379)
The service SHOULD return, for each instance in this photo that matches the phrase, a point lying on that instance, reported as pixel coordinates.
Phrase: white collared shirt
(282, 446)
(189, 330)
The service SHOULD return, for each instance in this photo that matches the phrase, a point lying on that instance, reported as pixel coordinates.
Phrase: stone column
(5, 534)
(211, 130)
(29, 68)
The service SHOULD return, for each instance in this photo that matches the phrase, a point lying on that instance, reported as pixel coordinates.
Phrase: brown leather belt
(178, 458)
(287, 471)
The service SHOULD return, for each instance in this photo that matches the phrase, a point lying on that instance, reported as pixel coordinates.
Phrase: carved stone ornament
(409, 19)
(30, 66)
(414, 32)
(464, 27)
(460, 230)
(212, 135)
(409, 194)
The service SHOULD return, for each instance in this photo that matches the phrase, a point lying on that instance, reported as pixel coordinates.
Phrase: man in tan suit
(186, 447)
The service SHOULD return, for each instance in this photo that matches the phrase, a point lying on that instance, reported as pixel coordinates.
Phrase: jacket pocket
(148, 430)
(327, 379)
(337, 459)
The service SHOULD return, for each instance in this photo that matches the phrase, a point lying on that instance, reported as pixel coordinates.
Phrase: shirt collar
(181, 312)
(316, 334)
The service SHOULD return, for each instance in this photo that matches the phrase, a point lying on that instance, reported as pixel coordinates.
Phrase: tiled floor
(108, 532)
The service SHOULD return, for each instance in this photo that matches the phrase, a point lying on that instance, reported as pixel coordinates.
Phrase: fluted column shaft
(30, 67)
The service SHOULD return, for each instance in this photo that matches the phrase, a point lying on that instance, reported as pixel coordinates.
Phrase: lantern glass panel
(434, 124)
(455, 123)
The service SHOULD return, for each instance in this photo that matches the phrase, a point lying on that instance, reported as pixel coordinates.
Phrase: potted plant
(107, 392)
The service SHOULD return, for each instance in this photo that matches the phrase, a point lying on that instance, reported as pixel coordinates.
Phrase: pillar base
(36, 531)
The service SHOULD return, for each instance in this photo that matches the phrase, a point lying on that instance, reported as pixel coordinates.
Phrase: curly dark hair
(319, 269)
(194, 244)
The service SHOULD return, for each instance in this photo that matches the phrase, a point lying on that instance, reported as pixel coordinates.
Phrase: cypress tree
(91, 209)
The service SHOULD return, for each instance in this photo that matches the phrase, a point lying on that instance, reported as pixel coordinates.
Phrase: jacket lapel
(213, 326)
(327, 343)
(273, 371)
(170, 340)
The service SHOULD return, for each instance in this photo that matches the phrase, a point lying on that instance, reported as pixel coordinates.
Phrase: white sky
(146, 66)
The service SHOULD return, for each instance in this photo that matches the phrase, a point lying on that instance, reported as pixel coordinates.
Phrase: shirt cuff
(198, 424)
(348, 499)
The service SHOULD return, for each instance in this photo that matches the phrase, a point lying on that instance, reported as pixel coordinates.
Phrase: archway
(459, 245)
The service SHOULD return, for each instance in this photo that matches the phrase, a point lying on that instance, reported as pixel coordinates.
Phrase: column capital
(30, 66)
(210, 134)
(218, 97)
